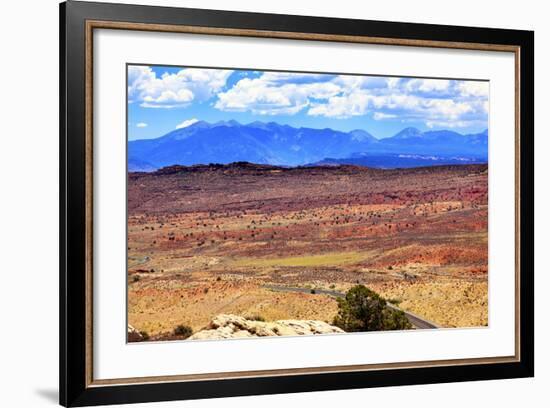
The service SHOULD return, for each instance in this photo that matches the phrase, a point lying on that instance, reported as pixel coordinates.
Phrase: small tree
(395, 320)
(365, 310)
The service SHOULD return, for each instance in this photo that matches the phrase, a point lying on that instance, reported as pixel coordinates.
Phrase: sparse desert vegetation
(271, 243)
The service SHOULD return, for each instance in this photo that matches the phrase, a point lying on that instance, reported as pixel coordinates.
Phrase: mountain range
(283, 145)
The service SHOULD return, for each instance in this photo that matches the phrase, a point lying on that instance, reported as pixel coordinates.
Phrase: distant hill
(438, 142)
(283, 145)
(139, 165)
(403, 161)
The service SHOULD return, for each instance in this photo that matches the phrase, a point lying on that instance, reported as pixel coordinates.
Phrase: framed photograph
(256, 204)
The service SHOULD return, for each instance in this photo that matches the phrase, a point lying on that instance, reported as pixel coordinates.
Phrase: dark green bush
(365, 310)
(395, 320)
(182, 330)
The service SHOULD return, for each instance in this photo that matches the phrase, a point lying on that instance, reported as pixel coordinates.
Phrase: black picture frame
(75, 387)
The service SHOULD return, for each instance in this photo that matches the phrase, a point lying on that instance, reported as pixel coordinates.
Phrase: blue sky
(161, 99)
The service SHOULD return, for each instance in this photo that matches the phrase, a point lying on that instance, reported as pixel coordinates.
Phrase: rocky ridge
(227, 326)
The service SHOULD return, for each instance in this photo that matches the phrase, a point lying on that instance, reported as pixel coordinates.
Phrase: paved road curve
(417, 321)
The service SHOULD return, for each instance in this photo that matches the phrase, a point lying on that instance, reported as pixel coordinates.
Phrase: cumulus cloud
(474, 88)
(427, 85)
(173, 90)
(186, 123)
(343, 106)
(435, 102)
(141, 125)
(275, 93)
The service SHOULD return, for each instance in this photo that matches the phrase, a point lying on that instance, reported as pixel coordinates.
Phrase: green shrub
(362, 309)
(312, 291)
(396, 320)
(144, 335)
(184, 331)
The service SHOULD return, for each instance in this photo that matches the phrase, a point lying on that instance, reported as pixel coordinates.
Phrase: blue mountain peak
(228, 123)
(408, 133)
(361, 135)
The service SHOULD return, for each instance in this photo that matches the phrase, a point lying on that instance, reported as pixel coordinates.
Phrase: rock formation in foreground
(134, 335)
(227, 326)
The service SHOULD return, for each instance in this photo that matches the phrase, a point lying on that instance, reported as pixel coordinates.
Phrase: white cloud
(141, 125)
(447, 108)
(382, 116)
(353, 104)
(271, 94)
(436, 101)
(174, 90)
(392, 105)
(474, 88)
(350, 83)
(442, 103)
(186, 123)
(285, 77)
(428, 85)
(448, 124)
(393, 82)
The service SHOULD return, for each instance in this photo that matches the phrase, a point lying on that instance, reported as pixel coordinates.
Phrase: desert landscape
(269, 243)
(275, 203)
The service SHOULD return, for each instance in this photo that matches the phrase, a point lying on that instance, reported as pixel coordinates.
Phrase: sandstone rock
(134, 335)
(226, 326)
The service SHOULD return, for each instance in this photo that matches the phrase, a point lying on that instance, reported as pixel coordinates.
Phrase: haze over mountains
(284, 145)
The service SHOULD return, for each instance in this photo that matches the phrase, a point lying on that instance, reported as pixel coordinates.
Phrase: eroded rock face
(134, 335)
(226, 326)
